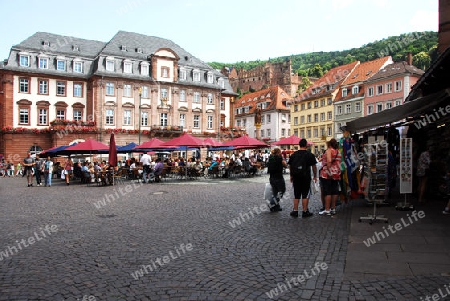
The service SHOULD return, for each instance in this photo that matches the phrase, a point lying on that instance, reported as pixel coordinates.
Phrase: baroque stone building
(57, 89)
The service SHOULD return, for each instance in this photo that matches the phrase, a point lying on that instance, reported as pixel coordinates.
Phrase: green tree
(304, 85)
(316, 71)
(421, 60)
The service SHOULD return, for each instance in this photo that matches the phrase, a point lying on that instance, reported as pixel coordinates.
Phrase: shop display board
(406, 165)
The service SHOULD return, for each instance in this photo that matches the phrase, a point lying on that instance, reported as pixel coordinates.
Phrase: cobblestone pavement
(178, 241)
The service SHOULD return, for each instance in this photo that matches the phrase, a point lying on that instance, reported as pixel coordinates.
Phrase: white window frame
(398, 85)
(43, 116)
(378, 107)
(322, 116)
(77, 115)
(110, 65)
(77, 90)
(60, 114)
(127, 117)
(348, 108)
(109, 89)
(269, 133)
(370, 92)
(144, 69)
(398, 102)
(127, 67)
(24, 60)
(269, 119)
(127, 90)
(355, 90)
(144, 118)
(379, 89)
(59, 63)
(43, 86)
(370, 109)
(388, 88)
(183, 74)
(210, 78)
(196, 122)
(357, 106)
(344, 92)
(210, 99)
(164, 93)
(163, 119)
(144, 92)
(388, 105)
(197, 97)
(210, 122)
(196, 75)
(182, 95)
(183, 120)
(222, 104)
(61, 85)
(78, 66)
(339, 110)
(43, 63)
(24, 114)
(109, 117)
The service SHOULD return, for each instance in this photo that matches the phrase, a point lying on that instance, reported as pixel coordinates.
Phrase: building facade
(312, 112)
(389, 87)
(349, 102)
(274, 122)
(58, 89)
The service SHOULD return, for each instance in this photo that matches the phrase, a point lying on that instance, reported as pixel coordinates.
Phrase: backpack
(298, 164)
(274, 165)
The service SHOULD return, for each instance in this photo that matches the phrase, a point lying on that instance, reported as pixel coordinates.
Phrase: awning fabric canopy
(412, 108)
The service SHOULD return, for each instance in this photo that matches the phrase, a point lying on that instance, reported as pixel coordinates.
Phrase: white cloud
(424, 20)
(340, 4)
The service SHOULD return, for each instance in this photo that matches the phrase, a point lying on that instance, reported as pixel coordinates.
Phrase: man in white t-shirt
(146, 160)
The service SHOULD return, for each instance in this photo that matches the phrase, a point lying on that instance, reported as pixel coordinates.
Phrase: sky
(224, 31)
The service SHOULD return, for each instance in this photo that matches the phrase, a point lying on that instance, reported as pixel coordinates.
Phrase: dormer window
(43, 63)
(78, 66)
(24, 60)
(182, 74)
(123, 48)
(46, 43)
(196, 75)
(127, 67)
(139, 50)
(165, 72)
(221, 83)
(144, 68)
(344, 92)
(75, 48)
(355, 90)
(109, 64)
(210, 78)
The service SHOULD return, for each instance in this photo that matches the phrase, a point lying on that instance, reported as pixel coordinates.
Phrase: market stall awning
(414, 108)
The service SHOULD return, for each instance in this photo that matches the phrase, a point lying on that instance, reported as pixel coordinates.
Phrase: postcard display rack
(377, 165)
(406, 172)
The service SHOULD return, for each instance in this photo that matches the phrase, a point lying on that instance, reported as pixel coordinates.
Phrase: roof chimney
(410, 58)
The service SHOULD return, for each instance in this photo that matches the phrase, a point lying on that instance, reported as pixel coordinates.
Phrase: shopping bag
(268, 193)
(314, 187)
(63, 174)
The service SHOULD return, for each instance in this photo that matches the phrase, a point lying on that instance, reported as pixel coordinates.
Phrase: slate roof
(61, 45)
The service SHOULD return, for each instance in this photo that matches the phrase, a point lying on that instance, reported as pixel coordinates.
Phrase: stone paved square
(204, 239)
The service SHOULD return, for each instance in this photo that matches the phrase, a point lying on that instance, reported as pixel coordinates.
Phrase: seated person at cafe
(228, 168)
(249, 167)
(133, 163)
(159, 166)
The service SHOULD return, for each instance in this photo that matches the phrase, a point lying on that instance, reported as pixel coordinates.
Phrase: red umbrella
(210, 142)
(291, 140)
(185, 140)
(112, 158)
(153, 143)
(89, 146)
(245, 142)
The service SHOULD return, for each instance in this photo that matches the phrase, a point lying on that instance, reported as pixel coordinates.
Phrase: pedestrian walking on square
(38, 169)
(276, 164)
(28, 164)
(48, 169)
(68, 170)
(300, 164)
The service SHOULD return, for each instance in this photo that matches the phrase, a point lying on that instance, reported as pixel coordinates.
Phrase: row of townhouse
(348, 92)
(135, 85)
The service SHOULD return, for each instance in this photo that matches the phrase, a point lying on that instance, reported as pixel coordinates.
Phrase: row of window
(309, 118)
(348, 108)
(314, 132)
(44, 63)
(380, 106)
(309, 105)
(43, 113)
(43, 87)
(383, 89)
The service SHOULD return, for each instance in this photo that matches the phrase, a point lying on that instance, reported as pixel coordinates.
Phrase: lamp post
(140, 114)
